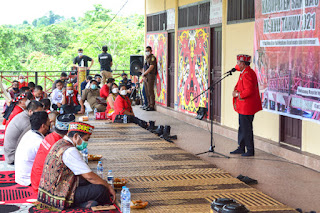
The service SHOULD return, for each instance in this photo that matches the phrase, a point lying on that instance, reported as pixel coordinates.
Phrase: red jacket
(248, 102)
(121, 104)
(16, 110)
(104, 91)
(24, 84)
(40, 158)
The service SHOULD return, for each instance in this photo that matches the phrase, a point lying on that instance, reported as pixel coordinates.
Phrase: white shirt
(74, 161)
(56, 96)
(25, 155)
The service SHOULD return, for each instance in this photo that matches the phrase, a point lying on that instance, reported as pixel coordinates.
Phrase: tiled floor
(288, 183)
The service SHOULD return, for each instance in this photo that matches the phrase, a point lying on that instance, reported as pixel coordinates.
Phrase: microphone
(231, 71)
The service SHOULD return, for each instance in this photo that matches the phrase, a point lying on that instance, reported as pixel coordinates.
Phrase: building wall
(238, 38)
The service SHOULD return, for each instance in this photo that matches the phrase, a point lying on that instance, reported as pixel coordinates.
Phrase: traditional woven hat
(244, 58)
(81, 127)
(63, 121)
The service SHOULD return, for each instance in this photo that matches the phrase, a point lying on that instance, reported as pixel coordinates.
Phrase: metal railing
(47, 78)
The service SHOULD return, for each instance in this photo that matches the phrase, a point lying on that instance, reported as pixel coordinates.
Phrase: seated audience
(91, 96)
(84, 83)
(57, 95)
(38, 93)
(98, 77)
(110, 100)
(31, 85)
(52, 117)
(70, 103)
(22, 82)
(60, 130)
(63, 79)
(28, 147)
(14, 91)
(19, 105)
(17, 127)
(66, 179)
(122, 104)
(46, 105)
(105, 90)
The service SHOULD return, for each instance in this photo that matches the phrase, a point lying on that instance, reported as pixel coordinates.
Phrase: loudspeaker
(136, 64)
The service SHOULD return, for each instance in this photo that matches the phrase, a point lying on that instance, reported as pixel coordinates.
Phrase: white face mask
(21, 80)
(115, 90)
(123, 92)
(80, 54)
(147, 53)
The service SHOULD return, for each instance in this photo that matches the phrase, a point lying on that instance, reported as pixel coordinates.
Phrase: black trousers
(87, 191)
(245, 133)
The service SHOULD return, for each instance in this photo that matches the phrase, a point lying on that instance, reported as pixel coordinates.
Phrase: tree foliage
(51, 42)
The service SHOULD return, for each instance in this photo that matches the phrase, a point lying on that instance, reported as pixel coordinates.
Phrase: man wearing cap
(66, 179)
(60, 130)
(28, 147)
(70, 102)
(247, 102)
(91, 94)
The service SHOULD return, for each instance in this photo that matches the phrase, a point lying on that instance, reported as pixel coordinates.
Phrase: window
(240, 10)
(157, 22)
(198, 14)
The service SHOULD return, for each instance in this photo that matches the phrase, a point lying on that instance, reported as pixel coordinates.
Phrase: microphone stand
(211, 88)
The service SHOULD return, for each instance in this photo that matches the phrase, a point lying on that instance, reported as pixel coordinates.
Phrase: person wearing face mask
(105, 90)
(19, 105)
(22, 81)
(14, 91)
(110, 100)
(66, 179)
(57, 95)
(122, 104)
(17, 127)
(70, 100)
(98, 77)
(78, 60)
(246, 102)
(149, 77)
(60, 130)
(28, 147)
(63, 79)
(91, 96)
(38, 93)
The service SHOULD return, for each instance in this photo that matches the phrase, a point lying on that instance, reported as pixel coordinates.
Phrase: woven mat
(169, 178)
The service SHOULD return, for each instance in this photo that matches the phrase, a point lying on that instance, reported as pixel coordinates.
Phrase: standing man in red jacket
(246, 102)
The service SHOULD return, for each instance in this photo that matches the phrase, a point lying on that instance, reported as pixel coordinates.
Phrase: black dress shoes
(238, 151)
(150, 109)
(248, 154)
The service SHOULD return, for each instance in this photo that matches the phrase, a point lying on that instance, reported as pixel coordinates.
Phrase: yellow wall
(185, 2)
(310, 137)
(154, 6)
(237, 39)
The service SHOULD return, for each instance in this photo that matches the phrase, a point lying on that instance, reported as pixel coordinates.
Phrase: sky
(16, 11)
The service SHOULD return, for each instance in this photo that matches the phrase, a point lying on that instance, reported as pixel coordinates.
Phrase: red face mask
(237, 67)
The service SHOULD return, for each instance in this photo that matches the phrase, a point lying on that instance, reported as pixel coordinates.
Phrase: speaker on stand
(136, 64)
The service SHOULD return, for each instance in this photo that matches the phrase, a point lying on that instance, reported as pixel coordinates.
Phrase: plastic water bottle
(100, 169)
(125, 119)
(61, 111)
(110, 178)
(127, 201)
(85, 155)
(95, 113)
(122, 197)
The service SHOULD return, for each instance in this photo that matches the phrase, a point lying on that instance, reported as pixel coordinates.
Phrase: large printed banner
(287, 56)
(193, 63)
(159, 44)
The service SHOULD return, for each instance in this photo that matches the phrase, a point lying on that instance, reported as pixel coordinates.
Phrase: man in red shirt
(247, 102)
(105, 90)
(60, 130)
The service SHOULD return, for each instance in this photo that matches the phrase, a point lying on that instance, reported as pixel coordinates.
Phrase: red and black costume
(247, 103)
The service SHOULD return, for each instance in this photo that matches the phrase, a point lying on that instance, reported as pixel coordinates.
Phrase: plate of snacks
(94, 157)
(138, 204)
(119, 182)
